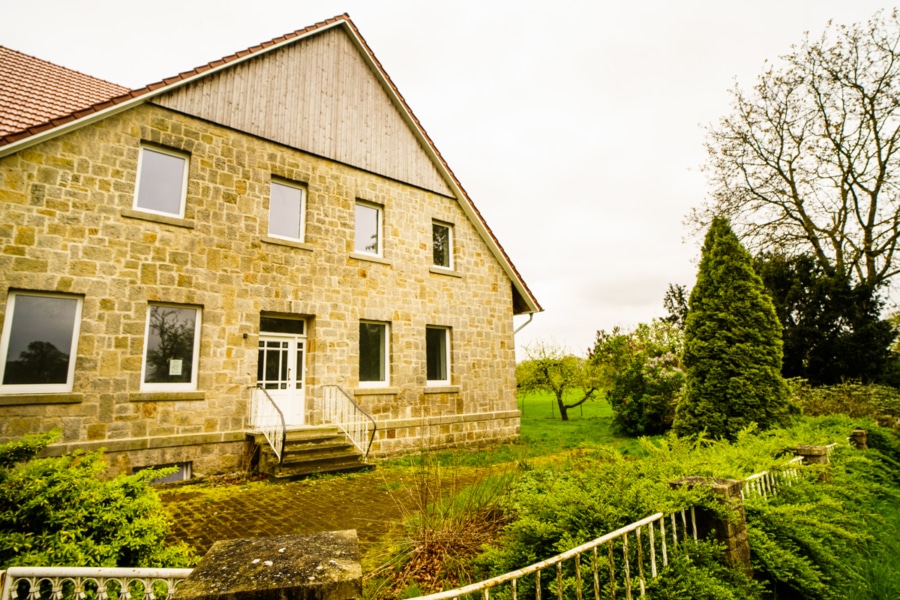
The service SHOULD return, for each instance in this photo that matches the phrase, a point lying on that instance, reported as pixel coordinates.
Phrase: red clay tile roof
(33, 91)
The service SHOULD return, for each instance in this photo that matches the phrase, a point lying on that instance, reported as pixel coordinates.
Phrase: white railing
(637, 563)
(766, 483)
(76, 583)
(267, 419)
(340, 409)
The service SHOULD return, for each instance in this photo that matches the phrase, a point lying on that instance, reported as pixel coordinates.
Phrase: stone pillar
(813, 455)
(860, 439)
(732, 530)
(321, 566)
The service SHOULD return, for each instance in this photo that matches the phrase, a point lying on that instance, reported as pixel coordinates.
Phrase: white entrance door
(280, 373)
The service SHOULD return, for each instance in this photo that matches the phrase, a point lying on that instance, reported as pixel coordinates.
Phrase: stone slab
(319, 566)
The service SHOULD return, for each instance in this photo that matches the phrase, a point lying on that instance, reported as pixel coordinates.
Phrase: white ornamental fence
(620, 562)
(81, 583)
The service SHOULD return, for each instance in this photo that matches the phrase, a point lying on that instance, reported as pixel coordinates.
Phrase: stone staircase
(310, 451)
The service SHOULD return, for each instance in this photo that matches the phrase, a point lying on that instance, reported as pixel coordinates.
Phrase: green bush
(62, 512)
(643, 371)
(854, 399)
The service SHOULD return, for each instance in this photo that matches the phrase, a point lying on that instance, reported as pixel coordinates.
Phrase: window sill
(49, 398)
(131, 213)
(442, 389)
(378, 391)
(370, 258)
(444, 271)
(289, 243)
(166, 396)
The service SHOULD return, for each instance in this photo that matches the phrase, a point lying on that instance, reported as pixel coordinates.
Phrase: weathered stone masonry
(68, 226)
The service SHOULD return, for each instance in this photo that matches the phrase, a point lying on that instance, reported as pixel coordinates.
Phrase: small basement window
(182, 474)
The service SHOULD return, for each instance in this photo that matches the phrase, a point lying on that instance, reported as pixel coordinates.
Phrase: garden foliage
(733, 348)
(62, 512)
(643, 374)
(807, 541)
(832, 329)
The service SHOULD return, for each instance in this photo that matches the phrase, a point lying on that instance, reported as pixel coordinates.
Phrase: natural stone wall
(68, 225)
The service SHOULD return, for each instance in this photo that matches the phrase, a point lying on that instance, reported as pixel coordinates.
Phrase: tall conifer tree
(733, 348)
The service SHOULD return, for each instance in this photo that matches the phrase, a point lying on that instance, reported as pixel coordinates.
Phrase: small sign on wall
(175, 367)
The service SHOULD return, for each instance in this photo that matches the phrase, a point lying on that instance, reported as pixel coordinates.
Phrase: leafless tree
(807, 162)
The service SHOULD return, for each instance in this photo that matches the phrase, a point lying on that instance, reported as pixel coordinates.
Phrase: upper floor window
(172, 345)
(162, 180)
(373, 353)
(39, 343)
(442, 244)
(368, 229)
(437, 355)
(287, 208)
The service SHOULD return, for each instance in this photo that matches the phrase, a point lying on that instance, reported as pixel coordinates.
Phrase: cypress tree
(733, 348)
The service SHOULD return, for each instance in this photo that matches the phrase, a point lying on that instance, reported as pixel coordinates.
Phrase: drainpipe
(522, 326)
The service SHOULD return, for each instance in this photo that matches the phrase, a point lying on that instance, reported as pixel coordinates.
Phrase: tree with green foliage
(675, 302)
(549, 368)
(732, 345)
(832, 330)
(643, 374)
(62, 511)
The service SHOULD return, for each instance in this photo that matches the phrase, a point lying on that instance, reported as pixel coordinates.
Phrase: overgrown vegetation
(61, 512)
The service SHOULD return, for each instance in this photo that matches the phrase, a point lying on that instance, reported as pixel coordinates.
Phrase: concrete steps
(311, 451)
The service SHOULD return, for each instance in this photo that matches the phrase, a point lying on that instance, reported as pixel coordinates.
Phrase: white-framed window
(437, 355)
(368, 229)
(162, 182)
(287, 211)
(442, 244)
(39, 343)
(374, 353)
(172, 348)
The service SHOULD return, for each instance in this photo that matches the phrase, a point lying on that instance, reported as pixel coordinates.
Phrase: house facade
(276, 220)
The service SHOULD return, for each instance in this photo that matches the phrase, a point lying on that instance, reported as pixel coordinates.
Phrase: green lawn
(543, 432)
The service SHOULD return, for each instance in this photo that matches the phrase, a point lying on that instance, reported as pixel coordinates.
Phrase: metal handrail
(356, 429)
(639, 577)
(101, 577)
(265, 421)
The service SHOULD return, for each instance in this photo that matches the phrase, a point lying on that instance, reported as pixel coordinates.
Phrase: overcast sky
(576, 127)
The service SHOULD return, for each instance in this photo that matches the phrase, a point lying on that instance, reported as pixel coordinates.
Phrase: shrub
(854, 399)
(62, 512)
(643, 371)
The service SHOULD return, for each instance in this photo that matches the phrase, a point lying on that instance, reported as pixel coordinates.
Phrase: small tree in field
(733, 348)
(549, 369)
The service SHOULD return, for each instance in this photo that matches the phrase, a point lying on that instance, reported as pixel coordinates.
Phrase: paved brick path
(368, 502)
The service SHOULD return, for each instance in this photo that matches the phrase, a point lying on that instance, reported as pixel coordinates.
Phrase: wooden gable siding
(317, 95)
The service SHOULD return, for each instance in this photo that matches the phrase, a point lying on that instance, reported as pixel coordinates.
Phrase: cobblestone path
(368, 502)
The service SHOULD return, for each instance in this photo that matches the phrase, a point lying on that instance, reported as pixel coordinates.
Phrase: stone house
(274, 228)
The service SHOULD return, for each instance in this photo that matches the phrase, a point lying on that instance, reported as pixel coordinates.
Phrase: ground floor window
(172, 348)
(437, 350)
(373, 353)
(39, 343)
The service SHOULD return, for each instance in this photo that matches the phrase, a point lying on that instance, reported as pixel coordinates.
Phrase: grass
(544, 433)
(879, 563)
